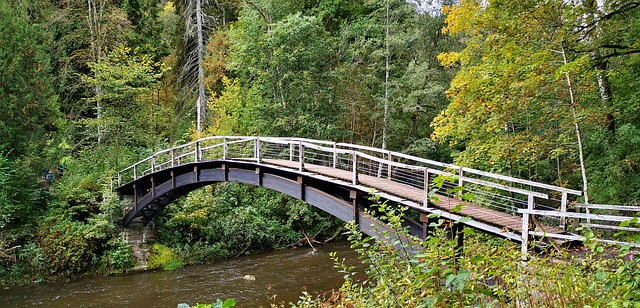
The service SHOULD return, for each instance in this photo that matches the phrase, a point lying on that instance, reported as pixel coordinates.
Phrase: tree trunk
(202, 99)
(94, 19)
(578, 132)
(601, 71)
(385, 119)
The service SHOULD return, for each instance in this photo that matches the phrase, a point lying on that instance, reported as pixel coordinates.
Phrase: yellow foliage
(448, 59)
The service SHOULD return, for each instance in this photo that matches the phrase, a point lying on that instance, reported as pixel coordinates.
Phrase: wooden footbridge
(339, 178)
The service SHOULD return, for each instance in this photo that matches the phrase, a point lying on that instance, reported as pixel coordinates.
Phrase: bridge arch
(151, 193)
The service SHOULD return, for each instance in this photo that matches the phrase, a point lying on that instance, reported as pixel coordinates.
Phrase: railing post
(291, 150)
(135, 172)
(153, 164)
(119, 179)
(563, 209)
(173, 157)
(530, 202)
(258, 151)
(355, 168)
(390, 159)
(525, 236)
(335, 155)
(525, 227)
(225, 148)
(301, 156)
(460, 174)
(425, 201)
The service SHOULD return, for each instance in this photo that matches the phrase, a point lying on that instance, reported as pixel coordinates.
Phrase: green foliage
(123, 103)
(27, 103)
(288, 62)
(233, 112)
(229, 219)
(162, 257)
(118, 258)
(512, 110)
(406, 272)
(70, 246)
(229, 302)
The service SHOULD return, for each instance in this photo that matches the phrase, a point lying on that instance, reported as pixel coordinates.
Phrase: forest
(540, 90)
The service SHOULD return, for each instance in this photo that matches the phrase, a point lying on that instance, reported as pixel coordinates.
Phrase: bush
(406, 272)
(230, 219)
(117, 259)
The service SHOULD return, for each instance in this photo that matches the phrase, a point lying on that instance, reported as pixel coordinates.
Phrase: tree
(288, 65)
(528, 92)
(125, 76)
(197, 27)
(390, 71)
(28, 104)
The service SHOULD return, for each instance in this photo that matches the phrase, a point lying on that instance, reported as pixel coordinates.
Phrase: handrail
(347, 148)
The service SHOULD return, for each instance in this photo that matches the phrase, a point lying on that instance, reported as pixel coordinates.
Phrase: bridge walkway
(503, 220)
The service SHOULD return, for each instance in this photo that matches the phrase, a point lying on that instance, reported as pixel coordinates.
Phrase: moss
(162, 257)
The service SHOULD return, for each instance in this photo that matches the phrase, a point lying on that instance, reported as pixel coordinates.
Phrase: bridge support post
(335, 155)
(355, 203)
(300, 181)
(426, 229)
(258, 151)
(390, 160)
(292, 149)
(225, 148)
(197, 152)
(259, 175)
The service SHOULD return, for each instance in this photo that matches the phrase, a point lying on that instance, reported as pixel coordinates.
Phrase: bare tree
(197, 29)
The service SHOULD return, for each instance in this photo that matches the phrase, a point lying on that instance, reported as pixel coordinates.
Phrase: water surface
(280, 276)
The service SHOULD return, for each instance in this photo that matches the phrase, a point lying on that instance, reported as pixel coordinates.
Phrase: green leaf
(464, 219)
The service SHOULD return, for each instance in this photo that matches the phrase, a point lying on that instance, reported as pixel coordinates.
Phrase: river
(280, 276)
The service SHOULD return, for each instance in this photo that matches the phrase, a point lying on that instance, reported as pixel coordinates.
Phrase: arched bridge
(339, 177)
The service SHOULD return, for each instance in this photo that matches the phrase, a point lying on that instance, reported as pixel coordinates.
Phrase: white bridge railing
(515, 196)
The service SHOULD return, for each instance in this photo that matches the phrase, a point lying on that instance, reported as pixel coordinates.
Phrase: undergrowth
(403, 271)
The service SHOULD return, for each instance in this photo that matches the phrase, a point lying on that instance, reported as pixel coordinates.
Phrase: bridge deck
(503, 220)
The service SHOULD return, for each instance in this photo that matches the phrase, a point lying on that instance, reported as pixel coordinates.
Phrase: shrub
(406, 272)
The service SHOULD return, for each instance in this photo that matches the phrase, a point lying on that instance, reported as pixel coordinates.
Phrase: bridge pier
(139, 233)
(138, 236)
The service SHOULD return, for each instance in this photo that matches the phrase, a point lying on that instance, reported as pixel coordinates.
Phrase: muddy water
(279, 277)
